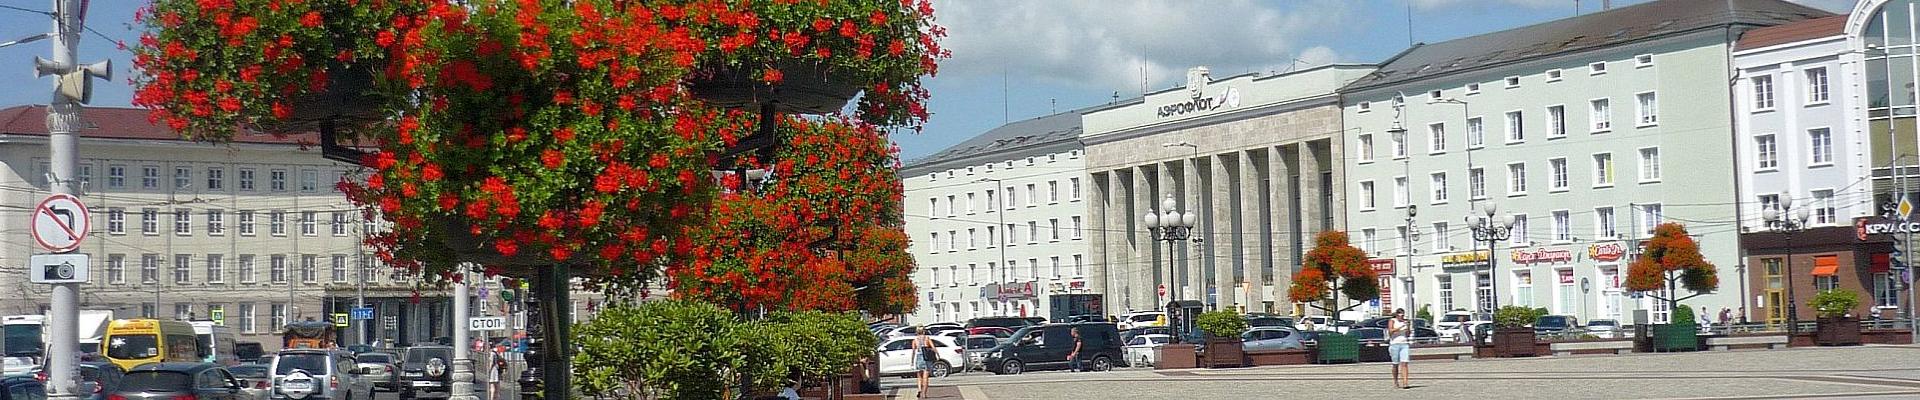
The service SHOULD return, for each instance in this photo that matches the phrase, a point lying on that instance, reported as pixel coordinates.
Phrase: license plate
(297, 386)
(426, 383)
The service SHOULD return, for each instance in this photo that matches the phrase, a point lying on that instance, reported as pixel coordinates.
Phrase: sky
(1015, 59)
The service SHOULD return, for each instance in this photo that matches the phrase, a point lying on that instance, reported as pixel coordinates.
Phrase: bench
(1561, 349)
(1455, 352)
(1727, 342)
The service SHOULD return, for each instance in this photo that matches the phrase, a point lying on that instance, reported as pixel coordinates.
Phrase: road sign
(362, 313)
(486, 323)
(60, 222)
(340, 320)
(218, 315)
(390, 323)
(57, 268)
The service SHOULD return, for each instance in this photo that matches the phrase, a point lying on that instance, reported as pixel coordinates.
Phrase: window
(1648, 109)
(1399, 144)
(116, 268)
(1884, 295)
(150, 221)
(308, 264)
(933, 242)
(1817, 86)
(1366, 106)
(1054, 262)
(1483, 290)
(1053, 192)
(1401, 195)
(1473, 88)
(246, 222)
(182, 311)
(1557, 174)
(182, 178)
(950, 206)
(1440, 238)
(1076, 227)
(990, 238)
(1513, 82)
(277, 223)
(216, 222)
(1597, 68)
(1439, 185)
(1366, 147)
(183, 222)
(1033, 231)
(1520, 233)
(1553, 75)
(245, 268)
(277, 180)
(1603, 169)
(1366, 195)
(933, 208)
(1079, 267)
(1767, 154)
(1650, 217)
(339, 264)
(246, 318)
(991, 204)
(1444, 296)
(1053, 229)
(149, 177)
(1515, 132)
(116, 176)
(1603, 226)
(1769, 202)
(1477, 183)
(953, 240)
(150, 268)
(1437, 135)
(1650, 164)
(1369, 240)
(1073, 188)
(366, 268)
(216, 268)
(246, 179)
(216, 178)
(1600, 114)
(1823, 209)
(1762, 92)
(1820, 142)
(1434, 95)
(1031, 195)
(278, 315)
(182, 268)
(1562, 227)
(1643, 61)
(308, 225)
(1523, 288)
(339, 223)
(1476, 133)
(1556, 122)
(117, 221)
(310, 180)
(1402, 242)
(1516, 179)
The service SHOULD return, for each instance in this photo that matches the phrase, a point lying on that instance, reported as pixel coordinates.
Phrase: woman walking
(923, 345)
(1399, 348)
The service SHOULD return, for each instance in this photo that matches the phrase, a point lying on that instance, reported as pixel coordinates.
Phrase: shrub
(1425, 313)
(1221, 323)
(1834, 303)
(1683, 314)
(679, 349)
(1516, 316)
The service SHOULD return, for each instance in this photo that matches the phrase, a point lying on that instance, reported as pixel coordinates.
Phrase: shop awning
(1826, 266)
(1882, 263)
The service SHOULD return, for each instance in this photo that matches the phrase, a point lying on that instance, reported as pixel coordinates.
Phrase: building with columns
(1585, 133)
(1254, 156)
(999, 224)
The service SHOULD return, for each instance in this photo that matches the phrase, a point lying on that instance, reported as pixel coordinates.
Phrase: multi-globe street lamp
(1787, 220)
(1171, 226)
(1487, 229)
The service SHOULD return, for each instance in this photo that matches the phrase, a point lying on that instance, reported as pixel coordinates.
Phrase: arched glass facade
(1890, 56)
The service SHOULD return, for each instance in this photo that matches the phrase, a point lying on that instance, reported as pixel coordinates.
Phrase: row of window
(339, 222)
(1558, 180)
(1599, 117)
(1825, 211)
(954, 204)
(1442, 237)
(1566, 294)
(182, 177)
(1513, 82)
(1814, 89)
(1008, 164)
(1886, 286)
(974, 274)
(1819, 145)
(277, 312)
(213, 269)
(973, 239)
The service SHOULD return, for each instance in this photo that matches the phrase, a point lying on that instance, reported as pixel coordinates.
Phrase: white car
(1141, 319)
(1320, 323)
(1144, 350)
(897, 356)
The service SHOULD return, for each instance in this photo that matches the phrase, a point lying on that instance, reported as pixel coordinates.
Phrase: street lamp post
(1778, 220)
(1410, 237)
(1492, 232)
(1173, 227)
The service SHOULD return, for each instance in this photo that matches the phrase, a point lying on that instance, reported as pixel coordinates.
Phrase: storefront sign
(1013, 291)
(1868, 226)
(1607, 251)
(1566, 277)
(1464, 258)
(1383, 270)
(1229, 98)
(1542, 256)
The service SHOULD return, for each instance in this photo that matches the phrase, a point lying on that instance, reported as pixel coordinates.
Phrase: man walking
(1399, 348)
(1073, 357)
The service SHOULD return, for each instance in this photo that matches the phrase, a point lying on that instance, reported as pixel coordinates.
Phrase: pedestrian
(1307, 324)
(496, 368)
(924, 345)
(1399, 350)
(1073, 356)
(1705, 318)
(1726, 316)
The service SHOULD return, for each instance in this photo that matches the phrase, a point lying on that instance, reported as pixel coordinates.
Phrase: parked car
(1142, 319)
(309, 374)
(1144, 350)
(22, 387)
(977, 348)
(426, 371)
(382, 370)
(180, 380)
(1312, 337)
(1604, 328)
(1270, 338)
(897, 356)
(1014, 323)
(1126, 336)
(994, 331)
(1323, 323)
(98, 379)
(252, 375)
(248, 351)
(1046, 347)
(1369, 335)
(1267, 320)
(1554, 324)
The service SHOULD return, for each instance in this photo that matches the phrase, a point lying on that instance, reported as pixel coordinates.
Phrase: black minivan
(1046, 346)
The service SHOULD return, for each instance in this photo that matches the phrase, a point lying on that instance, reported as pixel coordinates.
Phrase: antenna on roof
(1006, 111)
(1053, 105)
(1606, 5)
(1116, 97)
(1409, 23)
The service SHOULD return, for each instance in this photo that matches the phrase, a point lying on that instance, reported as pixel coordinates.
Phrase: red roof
(118, 123)
(1793, 32)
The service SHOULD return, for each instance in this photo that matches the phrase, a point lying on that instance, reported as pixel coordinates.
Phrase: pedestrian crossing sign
(341, 320)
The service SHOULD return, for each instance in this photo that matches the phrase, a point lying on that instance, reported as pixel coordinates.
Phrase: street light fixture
(1487, 230)
(1778, 219)
(1411, 235)
(1171, 226)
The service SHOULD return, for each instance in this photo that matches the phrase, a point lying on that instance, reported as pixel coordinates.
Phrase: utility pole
(72, 87)
(462, 361)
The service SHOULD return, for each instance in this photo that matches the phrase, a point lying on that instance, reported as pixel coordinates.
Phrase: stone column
(1195, 256)
(1286, 219)
(1310, 211)
(1336, 158)
(1221, 236)
(1142, 262)
(1098, 220)
(1253, 231)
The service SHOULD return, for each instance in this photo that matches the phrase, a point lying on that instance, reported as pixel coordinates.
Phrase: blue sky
(1019, 59)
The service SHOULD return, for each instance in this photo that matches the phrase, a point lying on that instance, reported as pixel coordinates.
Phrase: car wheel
(940, 369)
(1102, 363)
(1011, 367)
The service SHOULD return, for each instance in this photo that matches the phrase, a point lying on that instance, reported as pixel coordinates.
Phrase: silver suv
(313, 374)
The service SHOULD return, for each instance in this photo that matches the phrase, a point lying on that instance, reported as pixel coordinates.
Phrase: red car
(995, 331)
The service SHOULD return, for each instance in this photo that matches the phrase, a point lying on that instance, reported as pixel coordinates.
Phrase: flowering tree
(1672, 258)
(1334, 267)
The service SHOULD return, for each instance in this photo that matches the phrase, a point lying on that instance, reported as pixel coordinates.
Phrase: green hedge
(675, 349)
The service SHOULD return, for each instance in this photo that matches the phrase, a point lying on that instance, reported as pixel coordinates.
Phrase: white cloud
(1433, 4)
(1105, 44)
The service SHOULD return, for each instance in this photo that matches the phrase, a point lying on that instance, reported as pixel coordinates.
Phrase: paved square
(1851, 372)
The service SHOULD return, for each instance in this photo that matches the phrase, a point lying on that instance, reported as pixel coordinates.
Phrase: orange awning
(1826, 266)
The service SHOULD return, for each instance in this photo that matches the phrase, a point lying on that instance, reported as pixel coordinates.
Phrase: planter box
(1443, 351)
(1837, 331)
(1177, 356)
(1514, 342)
(1676, 337)
(1886, 336)
(1224, 353)
(1336, 348)
(1279, 357)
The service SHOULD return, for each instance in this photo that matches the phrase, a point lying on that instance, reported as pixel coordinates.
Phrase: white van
(218, 340)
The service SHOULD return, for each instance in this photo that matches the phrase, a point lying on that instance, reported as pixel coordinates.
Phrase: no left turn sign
(60, 222)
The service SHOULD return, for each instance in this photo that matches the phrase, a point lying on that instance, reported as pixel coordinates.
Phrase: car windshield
(133, 347)
(374, 358)
(423, 355)
(156, 381)
(1604, 322)
(1551, 322)
(313, 363)
(981, 343)
(1455, 318)
(23, 340)
(1269, 321)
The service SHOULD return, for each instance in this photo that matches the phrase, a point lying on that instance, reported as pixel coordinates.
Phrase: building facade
(1581, 134)
(1253, 156)
(1000, 224)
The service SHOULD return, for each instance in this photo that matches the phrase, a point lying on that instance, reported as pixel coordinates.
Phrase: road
(1851, 372)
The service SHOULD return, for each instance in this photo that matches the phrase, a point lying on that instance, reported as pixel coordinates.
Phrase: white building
(1791, 107)
(998, 223)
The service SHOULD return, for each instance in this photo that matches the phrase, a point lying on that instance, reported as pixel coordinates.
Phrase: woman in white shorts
(1399, 347)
